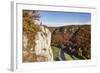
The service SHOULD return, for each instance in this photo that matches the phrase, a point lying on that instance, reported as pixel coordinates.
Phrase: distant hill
(74, 36)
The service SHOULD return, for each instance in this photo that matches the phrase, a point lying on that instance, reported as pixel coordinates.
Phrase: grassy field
(55, 51)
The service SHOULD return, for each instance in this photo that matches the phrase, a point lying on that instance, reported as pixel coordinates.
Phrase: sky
(52, 18)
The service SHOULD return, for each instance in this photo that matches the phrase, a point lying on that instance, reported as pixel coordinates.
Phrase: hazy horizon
(55, 25)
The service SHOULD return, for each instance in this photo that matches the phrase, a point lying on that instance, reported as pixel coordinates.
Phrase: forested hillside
(74, 39)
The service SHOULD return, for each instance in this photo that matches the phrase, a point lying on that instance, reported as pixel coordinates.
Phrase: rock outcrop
(37, 49)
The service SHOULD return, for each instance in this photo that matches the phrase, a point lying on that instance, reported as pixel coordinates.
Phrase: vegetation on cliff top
(30, 28)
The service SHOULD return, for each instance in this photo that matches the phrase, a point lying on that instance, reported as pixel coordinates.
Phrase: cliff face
(43, 47)
(37, 49)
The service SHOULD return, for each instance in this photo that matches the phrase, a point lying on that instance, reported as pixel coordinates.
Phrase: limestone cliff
(36, 45)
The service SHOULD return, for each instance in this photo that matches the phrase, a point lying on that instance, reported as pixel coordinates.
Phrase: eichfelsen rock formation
(40, 49)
